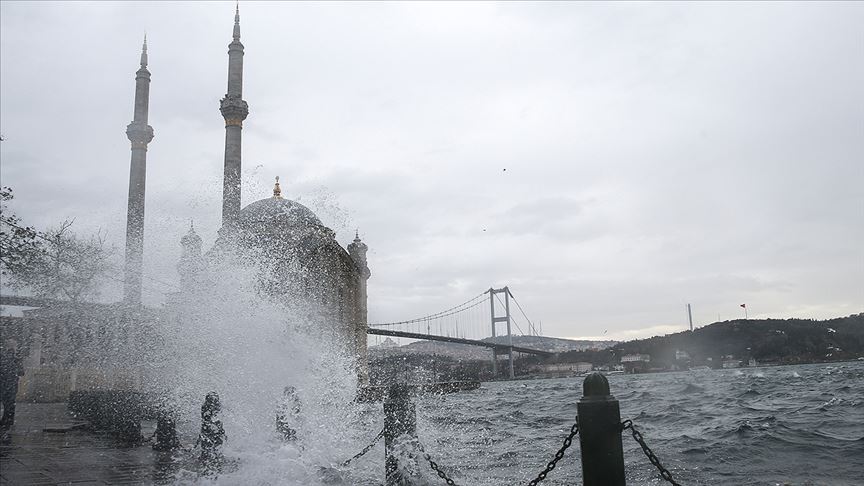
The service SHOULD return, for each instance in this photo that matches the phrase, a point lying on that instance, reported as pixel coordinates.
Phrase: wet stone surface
(69, 454)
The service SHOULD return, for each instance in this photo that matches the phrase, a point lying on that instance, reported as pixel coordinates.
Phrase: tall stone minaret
(234, 110)
(357, 250)
(140, 134)
(191, 262)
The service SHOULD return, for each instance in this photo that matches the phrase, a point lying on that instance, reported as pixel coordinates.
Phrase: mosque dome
(282, 212)
(277, 212)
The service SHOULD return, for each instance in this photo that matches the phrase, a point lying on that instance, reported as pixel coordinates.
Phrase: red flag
(744, 305)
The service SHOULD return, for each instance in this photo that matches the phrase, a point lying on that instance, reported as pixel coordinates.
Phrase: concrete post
(400, 431)
(600, 434)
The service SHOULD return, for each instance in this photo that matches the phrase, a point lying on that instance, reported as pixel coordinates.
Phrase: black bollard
(166, 433)
(288, 414)
(400, 430)
(212, 435)
(600, 434)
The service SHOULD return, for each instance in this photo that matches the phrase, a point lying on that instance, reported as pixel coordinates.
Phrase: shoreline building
(284, 242)
(635, 363)
(293, 254)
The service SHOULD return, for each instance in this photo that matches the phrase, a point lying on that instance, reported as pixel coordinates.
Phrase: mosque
(293, 256)
(283, 241)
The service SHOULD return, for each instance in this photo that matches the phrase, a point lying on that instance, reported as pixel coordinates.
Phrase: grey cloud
(655, 154)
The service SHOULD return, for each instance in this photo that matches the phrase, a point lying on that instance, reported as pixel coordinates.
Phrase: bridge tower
(495, 320)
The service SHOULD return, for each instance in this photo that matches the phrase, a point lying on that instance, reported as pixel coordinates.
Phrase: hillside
(766, 340)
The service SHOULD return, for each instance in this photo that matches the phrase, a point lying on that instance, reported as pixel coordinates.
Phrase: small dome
(357, 245)
(277, 210)
(191, 238)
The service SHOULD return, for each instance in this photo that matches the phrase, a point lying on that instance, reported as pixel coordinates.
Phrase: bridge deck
(472, 342)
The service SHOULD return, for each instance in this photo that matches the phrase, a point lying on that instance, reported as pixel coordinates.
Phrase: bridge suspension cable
(469, 304)
(530, 323)
(470, 319)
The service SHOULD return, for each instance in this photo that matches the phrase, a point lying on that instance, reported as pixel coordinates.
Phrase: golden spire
(277, 191)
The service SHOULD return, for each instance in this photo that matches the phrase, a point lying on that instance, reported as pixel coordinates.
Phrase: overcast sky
(609, 162)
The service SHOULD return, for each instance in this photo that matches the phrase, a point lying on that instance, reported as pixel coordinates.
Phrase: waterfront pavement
(46, 446)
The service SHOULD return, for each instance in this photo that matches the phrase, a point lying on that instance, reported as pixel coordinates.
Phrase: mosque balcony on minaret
(139, 133)
(235, 45)
(234, 110)
(142, 74)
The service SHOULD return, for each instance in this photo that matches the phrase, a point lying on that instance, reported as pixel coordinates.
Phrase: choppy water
(781, 425)
(785, 425)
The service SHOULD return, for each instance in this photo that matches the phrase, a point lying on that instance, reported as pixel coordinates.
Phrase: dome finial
(277, 191)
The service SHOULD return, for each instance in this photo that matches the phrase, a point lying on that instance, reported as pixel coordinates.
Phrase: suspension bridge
(471, 323)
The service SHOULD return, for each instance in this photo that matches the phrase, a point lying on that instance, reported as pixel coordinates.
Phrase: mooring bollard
(166, 433)
(600, 434)
(212, 434)
(400, 428)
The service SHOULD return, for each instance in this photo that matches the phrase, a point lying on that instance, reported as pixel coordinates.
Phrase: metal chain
(365, 449)
(558, 455)
(628, 424)
(434, 466)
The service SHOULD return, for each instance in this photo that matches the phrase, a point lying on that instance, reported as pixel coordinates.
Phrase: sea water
(796, 425)
(799, 424)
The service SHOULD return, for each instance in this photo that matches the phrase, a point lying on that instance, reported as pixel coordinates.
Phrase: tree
(56, 263)
(69, 267)
(18, 244)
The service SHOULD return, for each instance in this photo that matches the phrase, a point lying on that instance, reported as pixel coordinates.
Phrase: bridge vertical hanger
(505, 318)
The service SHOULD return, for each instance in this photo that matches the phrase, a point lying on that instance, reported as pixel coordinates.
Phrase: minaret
(234, 110)
(191, 261)
(140, 134)
(357, 250)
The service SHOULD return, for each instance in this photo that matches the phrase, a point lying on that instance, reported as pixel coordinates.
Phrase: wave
(691, 388)
(695, 450)
(795, 424)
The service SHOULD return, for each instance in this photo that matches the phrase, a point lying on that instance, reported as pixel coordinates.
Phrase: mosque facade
(293, 254)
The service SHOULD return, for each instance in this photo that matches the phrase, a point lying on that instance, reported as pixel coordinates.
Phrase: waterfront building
(731, 363)
(563, 369)
(636, 358)
(635, 363)
(292, 255)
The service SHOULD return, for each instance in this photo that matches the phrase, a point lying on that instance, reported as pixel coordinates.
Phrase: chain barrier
(365, 449)
(628, 424)
(434, 466)
(558, 455)
(568, 441)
